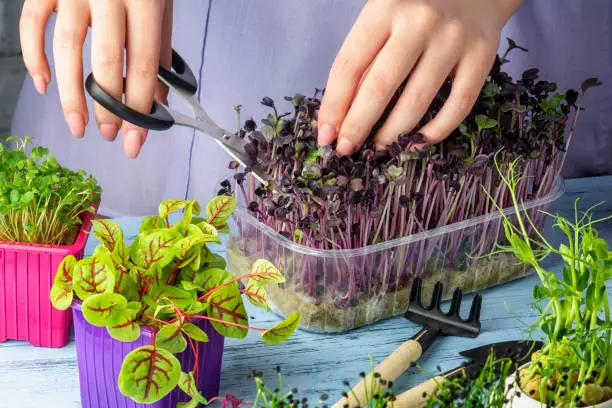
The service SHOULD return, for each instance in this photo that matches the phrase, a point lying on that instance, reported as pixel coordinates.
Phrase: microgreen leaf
(148, 374)
(484, 122)
(283, 330)
(166, 294)
(65, 271)
(195, 333)
(171, 338)
(157, 248)
(226, 305)
(211, 234)
(123, 323)
(219, 210)
(97, 309)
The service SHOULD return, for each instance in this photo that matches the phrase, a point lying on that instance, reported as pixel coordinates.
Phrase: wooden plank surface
(34, 377)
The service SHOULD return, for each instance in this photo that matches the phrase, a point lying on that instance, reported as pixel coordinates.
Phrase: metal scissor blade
(230, 142)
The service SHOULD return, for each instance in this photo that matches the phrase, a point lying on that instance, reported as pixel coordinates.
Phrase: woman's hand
(142, 27)
(428, 39)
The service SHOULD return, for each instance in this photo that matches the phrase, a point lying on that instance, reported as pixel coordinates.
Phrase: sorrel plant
(41, 201)
(165, 281)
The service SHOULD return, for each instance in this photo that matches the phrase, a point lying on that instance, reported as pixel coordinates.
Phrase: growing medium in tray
(334, 213)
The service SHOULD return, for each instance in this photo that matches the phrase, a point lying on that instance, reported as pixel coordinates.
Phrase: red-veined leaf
(209, 231)
(226, 305)
(190, 207)
(61, 296)
(108, 232)
(165, 294)
(156, 248)
(263, 272)
(171, 338)
(97, 309)
(148, 374)
(65, 271)
(195, 333)
(152, 223)
(93, 275)
(219, 210)
(256, 294)
(123, 323)
(283, 330)
(188, 385)
(211, 278)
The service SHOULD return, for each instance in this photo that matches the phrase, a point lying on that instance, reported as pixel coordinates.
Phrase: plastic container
(100, 357)
(339, 290)
(519, 399)
(27, 272)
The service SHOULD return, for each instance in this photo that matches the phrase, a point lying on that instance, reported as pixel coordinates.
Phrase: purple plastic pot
(99, 357)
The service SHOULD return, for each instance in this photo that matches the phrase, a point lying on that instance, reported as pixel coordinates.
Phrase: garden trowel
(518, 350)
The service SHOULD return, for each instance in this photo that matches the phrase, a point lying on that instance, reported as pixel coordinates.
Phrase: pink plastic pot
(100, 357)
(27, 272)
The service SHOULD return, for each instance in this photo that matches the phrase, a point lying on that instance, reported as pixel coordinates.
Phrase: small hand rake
(435, 323)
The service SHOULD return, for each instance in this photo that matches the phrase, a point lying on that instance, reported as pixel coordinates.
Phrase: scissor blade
(245, 160)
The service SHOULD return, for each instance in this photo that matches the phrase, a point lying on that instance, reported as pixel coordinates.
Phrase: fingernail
(76, 124)
(327, 134)
(40, 84)
(345, 147)
(133, 143)
(109, 131)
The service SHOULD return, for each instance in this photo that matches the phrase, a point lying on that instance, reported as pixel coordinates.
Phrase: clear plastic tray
(339, 290)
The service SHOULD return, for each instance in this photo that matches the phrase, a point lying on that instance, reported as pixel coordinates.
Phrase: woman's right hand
(141, 28)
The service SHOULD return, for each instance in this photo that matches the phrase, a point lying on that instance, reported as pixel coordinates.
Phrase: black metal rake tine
(436, 298)
(415, 292)
(456, 303)
(475, 310)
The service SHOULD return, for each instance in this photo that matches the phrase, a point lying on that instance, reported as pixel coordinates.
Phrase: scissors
(179, 78)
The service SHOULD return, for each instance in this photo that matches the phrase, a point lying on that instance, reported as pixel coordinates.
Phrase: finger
(165, 57)
(388, 71)
(472, 71)
(107, 52)
(70, 31)
(34, 17)
(143, 50)
(431, 71)
(364, 41)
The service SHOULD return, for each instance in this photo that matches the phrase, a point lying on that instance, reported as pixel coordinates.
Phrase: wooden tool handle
(418, 396)
(391, 368)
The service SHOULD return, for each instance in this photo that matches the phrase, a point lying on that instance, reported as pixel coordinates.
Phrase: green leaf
(123, 323)
(166, 294)
(283, 330)
(264, 272)
(522, 250)
(97, 309)
(169, 206)
(600, 246)
(583, 280)
(61, 296)
(93, 275)
(256, 294)
(152, 223)
(108, 232)
(219, 210)
(566, 254)
(215, 261)
(192, 403)
(157, 248)
(148, 374)
(210, 232)
(188, 385)
(170, 337)
(195, 333)
(211, 278)
(65, 271)
(485, 122)
(226, 304)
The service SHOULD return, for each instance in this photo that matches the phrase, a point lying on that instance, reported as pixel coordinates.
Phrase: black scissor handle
(180, 77)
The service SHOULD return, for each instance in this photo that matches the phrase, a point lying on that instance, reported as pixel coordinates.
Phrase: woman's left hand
(428, 39)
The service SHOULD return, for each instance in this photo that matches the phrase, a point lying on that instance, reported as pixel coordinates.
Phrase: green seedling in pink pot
(169, 287)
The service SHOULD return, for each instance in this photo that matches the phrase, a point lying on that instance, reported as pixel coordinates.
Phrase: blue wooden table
(313, 363)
